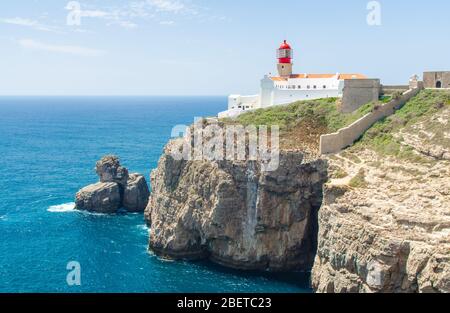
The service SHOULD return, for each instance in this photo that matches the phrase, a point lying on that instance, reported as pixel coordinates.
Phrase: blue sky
(209, 47)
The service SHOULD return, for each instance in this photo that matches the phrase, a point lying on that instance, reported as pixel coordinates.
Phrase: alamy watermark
(374, 15)
(75, 13)
(73, 278)
(208, 140)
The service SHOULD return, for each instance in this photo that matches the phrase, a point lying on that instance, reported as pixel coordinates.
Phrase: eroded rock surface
(384, 225)
(109, 170)
(99, 197)
(236, 215)
(390, 234)
(116, 189)
(136, 193)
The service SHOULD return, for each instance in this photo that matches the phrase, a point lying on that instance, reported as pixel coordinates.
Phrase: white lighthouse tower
(284, 55)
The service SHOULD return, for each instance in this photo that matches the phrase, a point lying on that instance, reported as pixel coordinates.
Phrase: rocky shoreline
(360, 221)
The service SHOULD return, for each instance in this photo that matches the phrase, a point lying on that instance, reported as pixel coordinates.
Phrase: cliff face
(390, 234)
(236, 215)
(384, 225)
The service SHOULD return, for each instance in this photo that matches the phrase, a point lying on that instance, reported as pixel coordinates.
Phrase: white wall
(267, 92)
(284, 92)
(243, 102)
(288, 96)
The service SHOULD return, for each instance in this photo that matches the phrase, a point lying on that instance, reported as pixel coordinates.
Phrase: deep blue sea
(48, 150)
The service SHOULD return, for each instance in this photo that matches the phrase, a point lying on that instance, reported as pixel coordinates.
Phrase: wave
(143, 227)
(62, 208)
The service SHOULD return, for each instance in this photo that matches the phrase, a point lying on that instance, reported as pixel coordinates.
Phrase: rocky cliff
(384, 225)
(236, 215)
(388, 233)
(375, 217)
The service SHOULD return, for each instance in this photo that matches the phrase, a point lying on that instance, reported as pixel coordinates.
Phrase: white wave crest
(143, 227)
(62, 208)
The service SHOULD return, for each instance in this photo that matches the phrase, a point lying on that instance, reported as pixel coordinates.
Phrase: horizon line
(106, 95)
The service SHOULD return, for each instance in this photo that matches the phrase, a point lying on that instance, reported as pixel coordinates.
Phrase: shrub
(397, 95)
(359, 181)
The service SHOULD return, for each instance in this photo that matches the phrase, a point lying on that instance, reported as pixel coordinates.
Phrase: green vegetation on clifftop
(321, 111)
(381, 137)
(301, 123)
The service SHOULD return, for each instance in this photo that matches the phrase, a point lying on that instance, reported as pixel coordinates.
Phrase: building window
(299, 87)
(438, 84)
(324, 86)
(315, 87)
(309, 87)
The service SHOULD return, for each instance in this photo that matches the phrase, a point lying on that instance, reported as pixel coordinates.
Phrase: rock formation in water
(236, 215)
(117, 189)
(136, 193)
(99, 197)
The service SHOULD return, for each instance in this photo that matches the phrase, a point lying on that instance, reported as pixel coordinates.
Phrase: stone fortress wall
(345, 137)
(439, 79)
(391, 89)
(358, 92)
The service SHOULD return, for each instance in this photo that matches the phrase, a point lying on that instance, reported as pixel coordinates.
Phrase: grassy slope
(380, 137)
(301, 123)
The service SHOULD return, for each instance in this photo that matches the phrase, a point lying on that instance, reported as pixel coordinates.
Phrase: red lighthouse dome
(285, 46)
(284, 53)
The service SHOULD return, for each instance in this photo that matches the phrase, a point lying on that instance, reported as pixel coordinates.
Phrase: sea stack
(117, 189)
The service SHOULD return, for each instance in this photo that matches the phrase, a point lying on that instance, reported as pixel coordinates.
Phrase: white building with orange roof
(288, 87)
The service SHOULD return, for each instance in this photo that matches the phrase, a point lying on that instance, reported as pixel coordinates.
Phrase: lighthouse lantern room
(284, 55)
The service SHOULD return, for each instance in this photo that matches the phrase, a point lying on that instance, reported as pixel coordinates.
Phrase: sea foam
(62, 208)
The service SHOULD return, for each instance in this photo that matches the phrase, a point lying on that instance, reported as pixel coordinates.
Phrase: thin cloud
(94, 13)
(168, 23)
(163, 12)
(124, 24)
(167, 5)
(65, 49)
(25, 22)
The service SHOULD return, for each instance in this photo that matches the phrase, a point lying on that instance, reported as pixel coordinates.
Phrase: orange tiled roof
(278, 78)
(352, 76)
(318, 76)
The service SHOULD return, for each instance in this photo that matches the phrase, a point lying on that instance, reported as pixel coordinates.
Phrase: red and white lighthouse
(284, 55)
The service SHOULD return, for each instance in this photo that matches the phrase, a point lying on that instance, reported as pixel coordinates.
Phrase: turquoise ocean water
(48, 149)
